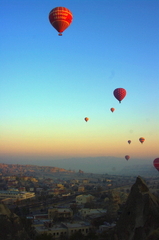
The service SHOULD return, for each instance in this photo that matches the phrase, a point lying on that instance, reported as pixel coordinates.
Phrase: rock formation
(140, 217)
(11, 226)
(114, 201)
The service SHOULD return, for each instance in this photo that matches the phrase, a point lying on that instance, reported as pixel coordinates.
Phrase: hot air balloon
(119, 94)
(156, 163)
(86, 119)
(141, 139)
(112, 109)
(60, 18)
(129, 141)
(127, 157)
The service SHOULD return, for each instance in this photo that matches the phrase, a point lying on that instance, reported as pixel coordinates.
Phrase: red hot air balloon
(112, 109)
(86, 119)
(141, 139)
(60, 18)
(129, 141)
(156, 163)
(127, 157)
(119, 94)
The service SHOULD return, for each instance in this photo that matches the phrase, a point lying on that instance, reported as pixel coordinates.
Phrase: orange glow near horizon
(77, 147)
(79, 139)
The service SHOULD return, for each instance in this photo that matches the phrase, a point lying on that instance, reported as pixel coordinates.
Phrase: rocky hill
(11, 227)
(140, 217)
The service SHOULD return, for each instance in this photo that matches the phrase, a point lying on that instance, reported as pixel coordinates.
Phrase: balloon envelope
(60, 18)
(127, 157)
(129, 141)
(86, 119)
(119, 94)
(141, 139)
(156, 163)
(112, 109)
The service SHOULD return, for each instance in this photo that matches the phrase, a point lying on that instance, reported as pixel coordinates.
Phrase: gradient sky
(49, 84)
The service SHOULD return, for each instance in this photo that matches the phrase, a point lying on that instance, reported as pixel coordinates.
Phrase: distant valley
(100, 165)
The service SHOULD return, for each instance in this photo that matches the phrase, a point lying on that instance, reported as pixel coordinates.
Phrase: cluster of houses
(57, 220)
(61, 221)
(22, 187)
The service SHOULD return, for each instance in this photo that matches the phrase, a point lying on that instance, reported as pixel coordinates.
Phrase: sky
(50, 83)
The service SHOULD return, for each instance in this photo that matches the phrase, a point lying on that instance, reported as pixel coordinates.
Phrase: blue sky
(50, 83)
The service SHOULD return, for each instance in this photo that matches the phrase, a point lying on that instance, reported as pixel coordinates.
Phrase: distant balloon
(156, 163)
(112, 109)
(141, 139)
(86, 119)
(129, 141)
(60, 18)
(119, 94)
(127, 157)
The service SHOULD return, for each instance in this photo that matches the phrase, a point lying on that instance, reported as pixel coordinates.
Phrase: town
(63, 203)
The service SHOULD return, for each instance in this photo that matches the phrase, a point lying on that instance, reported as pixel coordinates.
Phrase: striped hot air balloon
(60, 18)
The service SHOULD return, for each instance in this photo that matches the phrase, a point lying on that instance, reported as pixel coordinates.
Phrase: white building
(16, 195)
(65, 229)
(88, 212)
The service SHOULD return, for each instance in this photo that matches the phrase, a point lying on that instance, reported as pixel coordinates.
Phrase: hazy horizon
(101, 165)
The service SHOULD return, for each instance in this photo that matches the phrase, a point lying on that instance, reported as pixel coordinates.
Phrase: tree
(25, 211)
(106, 235)
(74, 208)
(91, 236)
(45, 236)
(127, 190)
(89, 205)
(99, 189)
(77, 236)
(62, 237)
(154, 235)
(27, 224)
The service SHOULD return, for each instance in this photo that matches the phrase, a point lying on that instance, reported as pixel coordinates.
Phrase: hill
(140, 217)
(11, 226)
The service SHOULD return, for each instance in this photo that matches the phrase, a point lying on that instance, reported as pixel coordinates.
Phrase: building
(74, 181)
(23, 189)
(61, 186)
(82, 199)
(81, 188)
(16, 195)
(60, 213)
(85, 212)
(82, 227)
(85, 181)
(65, 229)
(56, 231)
(27, 178)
